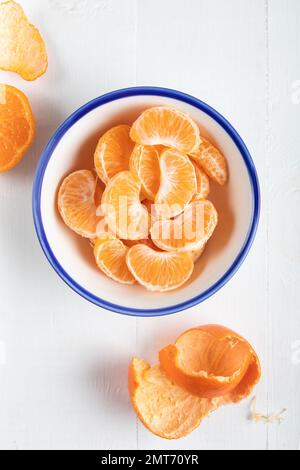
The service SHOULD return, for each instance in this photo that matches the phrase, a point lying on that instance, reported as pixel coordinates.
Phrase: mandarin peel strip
(165, 409)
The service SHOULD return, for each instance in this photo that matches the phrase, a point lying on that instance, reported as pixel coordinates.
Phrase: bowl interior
(75, 150)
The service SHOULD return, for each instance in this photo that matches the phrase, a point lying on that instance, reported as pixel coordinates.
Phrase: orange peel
(167, 410)
(172, 398)
(22, 49)
(212, 361)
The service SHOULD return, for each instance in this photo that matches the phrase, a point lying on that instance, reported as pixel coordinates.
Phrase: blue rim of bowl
(76, 116)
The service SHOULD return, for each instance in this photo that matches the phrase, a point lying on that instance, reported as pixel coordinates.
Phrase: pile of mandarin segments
(145, 208)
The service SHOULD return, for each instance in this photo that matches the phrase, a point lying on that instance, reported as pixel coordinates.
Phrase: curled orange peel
(171, 401)
(212, 361)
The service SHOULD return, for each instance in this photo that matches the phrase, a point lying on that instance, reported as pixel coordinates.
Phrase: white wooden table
(63, 361)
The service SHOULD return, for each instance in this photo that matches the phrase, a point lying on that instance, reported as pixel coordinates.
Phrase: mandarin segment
(163, 125)
(189, 231)
(17, 126)
(22, 49)
(77, 204)
(110, 255)
(144, 162)
(177, 184)
(212, 161)
(113, 152)
(159, 271)
(203, 186)
(212, 361)
(121, 205)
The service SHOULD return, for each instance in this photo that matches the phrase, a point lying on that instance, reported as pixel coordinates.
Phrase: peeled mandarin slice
(212, 361)
(203, 187)
(211, 160)
(189, 231)
(22, 49)
(17, 126)
(178, 184)
(77, 204)
(163, 125)
(113, 152)
(159, 271)
(110, 257)
(144, 162)
(166, 409)
(124, 213)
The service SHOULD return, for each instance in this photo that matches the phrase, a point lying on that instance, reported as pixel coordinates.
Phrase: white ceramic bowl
(72, 147)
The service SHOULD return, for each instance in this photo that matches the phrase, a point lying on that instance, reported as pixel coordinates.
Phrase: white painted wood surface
(63, 361)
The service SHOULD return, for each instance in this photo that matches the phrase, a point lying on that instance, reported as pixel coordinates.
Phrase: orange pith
(159, 271)
(189, 231)
(164, 408)
(22, 49)
(121, 205)
(212, 161)
(178, 184)
(166, 126)
(110, 255)
(144, 163)
(212, 361)
(17, 126)
(113, 152)
(77, 203)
